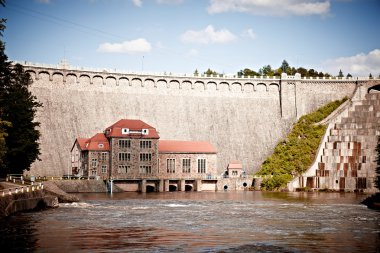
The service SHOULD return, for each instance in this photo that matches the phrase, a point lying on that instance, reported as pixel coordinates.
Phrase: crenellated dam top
(66, 71)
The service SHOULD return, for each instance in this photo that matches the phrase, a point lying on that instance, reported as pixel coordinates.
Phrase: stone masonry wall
(211, 165)
(244, 122)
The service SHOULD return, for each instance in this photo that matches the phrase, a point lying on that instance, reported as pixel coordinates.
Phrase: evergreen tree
(17, 106)
(377, 179)
(340, 73)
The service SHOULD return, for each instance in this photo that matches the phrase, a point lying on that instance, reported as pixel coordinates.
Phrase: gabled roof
(189, 147)
(135, 128)
(82, 142)
(235, 165)
(98, 142)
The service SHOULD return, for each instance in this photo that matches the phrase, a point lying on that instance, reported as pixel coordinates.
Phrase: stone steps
(349, 138)
(349, 151)
(352, 132)
(367, 125)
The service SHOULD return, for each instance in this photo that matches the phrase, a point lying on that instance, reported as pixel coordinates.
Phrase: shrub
(296, 153)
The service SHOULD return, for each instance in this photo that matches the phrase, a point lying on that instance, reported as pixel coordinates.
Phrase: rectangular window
(145, 169)
(145, 157)
(145, 144)
(124, 143)
(103, 156)
(170, 165)
(202, 166)
(94, 162)
(123, 169)
(104, 169)
(123, 156)
(186, 165)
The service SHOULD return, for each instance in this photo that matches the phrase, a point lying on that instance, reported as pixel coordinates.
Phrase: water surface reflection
(202, 222)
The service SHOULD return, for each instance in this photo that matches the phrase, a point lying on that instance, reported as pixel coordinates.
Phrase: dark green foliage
(284, 68)
(210, 72)
(247, 72)
(294, 155)
(18, 108)
(377, 180)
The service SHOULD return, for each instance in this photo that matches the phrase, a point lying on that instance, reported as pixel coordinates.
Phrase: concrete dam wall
(243, 118)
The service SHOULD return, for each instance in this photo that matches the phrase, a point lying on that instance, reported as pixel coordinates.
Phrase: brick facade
(130, 149)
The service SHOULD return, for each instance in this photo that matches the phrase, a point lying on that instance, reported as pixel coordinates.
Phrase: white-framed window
(145, 157)
(145, 169)
(123, 169)
(103, 156)
(94, 162)
(124, 156)
(201, 165)
(145, 144)
(93, 172)
(104, 169)
(100, 145)
(186, 165)
(170, 165)
(123, 143)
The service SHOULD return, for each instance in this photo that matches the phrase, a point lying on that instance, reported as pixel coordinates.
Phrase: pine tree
(377, 179)
(18, 107)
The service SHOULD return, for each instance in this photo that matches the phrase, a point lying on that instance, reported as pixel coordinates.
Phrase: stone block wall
(242, 118)
(134, 163)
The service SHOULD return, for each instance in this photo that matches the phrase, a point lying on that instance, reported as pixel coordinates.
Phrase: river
(198, 222)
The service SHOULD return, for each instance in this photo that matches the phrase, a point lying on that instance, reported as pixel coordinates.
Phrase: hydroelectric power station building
(131, 150)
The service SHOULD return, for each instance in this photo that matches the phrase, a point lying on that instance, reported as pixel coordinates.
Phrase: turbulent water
(198, 222)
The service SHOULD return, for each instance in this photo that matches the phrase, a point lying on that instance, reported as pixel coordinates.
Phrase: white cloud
(169, 1)
(249, 33)
(132, 46)
(357, 65)
(137, 3)
(271, 7)
(208, 36)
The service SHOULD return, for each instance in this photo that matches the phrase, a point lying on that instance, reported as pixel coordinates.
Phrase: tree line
(267, 70)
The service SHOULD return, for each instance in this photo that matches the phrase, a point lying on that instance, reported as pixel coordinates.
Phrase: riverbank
(20, 198)
(373, 201)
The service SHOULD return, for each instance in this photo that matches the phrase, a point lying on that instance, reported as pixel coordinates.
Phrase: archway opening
(374, 89)
(172, 188)
(150, 188)
(225, 187)
(188, 188)
(245, 184)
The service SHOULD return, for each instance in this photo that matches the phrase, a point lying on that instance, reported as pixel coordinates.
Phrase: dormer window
(125, 130)
(101, 145)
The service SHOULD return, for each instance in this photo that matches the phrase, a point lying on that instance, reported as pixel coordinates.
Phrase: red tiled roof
(98, 142)
(134, 126)
(165, 146)
(82, 143)
(235, 165)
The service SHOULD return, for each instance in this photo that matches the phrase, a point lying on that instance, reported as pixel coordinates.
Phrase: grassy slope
(296, 154)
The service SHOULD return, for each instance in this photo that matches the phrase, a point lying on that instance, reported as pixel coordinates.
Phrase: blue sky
(179, 36)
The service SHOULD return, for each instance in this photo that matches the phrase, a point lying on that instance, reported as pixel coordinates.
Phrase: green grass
(295, 155)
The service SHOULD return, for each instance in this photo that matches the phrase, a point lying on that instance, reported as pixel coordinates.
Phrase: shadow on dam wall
(244, 123)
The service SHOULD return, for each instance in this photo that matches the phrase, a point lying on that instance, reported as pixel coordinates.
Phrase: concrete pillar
(198, 185)
(161, 185)
(143, 185)
(182, 187)
(166, 185)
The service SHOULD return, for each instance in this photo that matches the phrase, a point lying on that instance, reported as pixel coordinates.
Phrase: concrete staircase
(346, 159)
